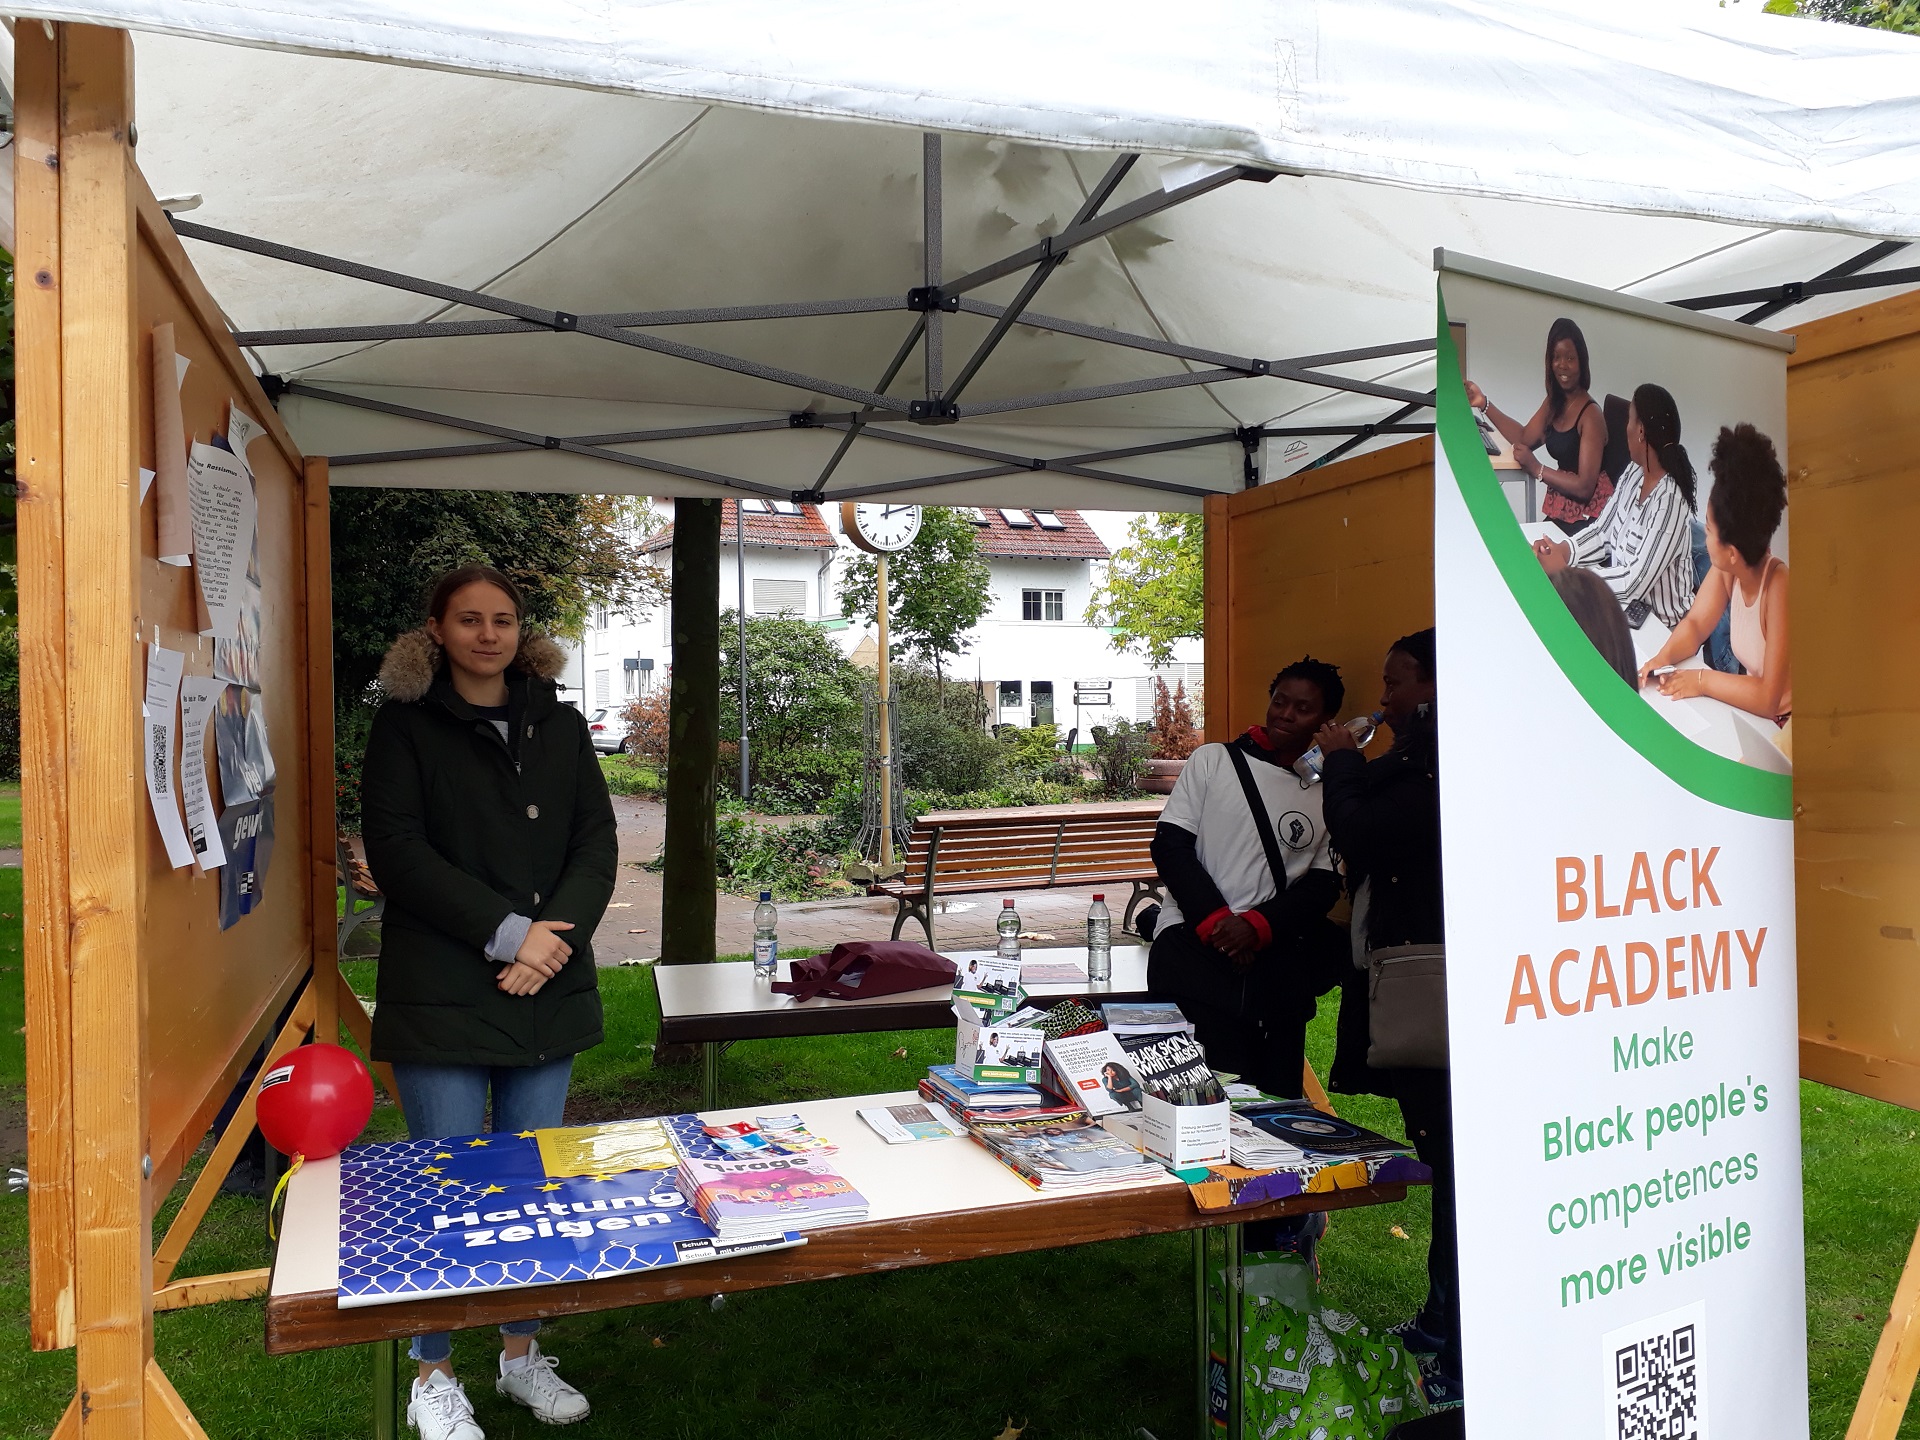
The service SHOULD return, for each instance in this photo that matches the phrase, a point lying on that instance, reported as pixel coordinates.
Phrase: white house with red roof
(1033, 651)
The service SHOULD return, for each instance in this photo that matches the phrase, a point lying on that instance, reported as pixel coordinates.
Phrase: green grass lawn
(1086, 1342)
(9, 817)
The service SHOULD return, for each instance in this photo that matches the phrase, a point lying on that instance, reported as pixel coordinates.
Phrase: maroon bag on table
(857, 969)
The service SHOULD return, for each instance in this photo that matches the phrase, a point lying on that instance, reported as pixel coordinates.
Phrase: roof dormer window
(1018, 519)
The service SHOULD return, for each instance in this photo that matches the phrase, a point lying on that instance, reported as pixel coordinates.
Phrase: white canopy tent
(764, 247)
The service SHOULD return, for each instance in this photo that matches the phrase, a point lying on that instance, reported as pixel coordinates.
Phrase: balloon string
(279, 1194)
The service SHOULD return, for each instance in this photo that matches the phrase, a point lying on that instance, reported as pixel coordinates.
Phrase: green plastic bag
(1307, 1371)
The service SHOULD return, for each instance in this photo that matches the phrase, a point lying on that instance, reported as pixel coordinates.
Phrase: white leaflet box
(1179, 1136)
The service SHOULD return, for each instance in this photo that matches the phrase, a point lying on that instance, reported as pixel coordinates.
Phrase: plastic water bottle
(1310, 766)
(1009, 928)
(1099, 940)
(766, 936)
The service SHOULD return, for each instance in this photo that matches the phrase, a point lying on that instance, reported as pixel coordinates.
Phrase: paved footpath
(631, 928)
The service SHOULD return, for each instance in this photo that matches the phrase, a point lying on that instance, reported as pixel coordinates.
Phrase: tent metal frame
(886, 418)
(882, 417)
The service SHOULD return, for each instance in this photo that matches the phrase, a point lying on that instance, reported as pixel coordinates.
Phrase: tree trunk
(693, 742)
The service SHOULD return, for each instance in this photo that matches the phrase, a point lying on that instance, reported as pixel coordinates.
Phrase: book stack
(962, 1095)
(1293, 1135)
(1064, 1153)
(1145, 1017)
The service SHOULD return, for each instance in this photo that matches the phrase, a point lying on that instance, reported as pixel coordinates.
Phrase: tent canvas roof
(714, 154)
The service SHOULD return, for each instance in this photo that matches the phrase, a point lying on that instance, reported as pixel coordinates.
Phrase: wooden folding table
(930, 1203)
(715, 1005)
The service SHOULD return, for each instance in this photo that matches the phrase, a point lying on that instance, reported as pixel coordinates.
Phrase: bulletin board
(143, 1010)
(1335, 562)
(1854, 498)
(210, 990)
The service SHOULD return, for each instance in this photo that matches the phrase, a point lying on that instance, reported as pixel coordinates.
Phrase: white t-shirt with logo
(1207, 801)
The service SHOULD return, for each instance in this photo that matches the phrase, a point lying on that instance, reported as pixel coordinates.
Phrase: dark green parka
(461, 833)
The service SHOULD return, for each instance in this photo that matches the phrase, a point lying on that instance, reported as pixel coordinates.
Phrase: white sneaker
(440, 1409)
(536, 1384)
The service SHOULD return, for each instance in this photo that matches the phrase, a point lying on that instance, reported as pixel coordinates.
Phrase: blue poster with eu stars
(482, 1212)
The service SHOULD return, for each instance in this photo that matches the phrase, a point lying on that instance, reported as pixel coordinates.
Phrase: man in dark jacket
(1384, 818)
(1243, 950)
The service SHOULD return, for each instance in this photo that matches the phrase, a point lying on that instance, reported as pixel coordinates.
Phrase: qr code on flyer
(1654, 1367)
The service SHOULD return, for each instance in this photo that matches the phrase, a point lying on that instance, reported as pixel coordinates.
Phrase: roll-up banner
(1615, 707)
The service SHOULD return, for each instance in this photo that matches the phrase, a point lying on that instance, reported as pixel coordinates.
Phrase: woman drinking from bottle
(488, 826)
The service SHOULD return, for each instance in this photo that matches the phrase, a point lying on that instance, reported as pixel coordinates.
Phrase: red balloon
(315, 1101)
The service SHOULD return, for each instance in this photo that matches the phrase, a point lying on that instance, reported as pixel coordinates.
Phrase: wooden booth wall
(142, 1011)
(1854, 507)
(1335, 562)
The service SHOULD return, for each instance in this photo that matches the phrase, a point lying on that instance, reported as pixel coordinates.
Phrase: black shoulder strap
(1262, 822)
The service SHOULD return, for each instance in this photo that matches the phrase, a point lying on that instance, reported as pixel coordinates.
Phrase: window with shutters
(602, 686)
(779, 597)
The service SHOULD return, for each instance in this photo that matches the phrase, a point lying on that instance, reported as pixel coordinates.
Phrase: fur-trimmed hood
(413, 662)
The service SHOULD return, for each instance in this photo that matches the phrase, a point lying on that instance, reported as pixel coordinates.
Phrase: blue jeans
(452, 1100)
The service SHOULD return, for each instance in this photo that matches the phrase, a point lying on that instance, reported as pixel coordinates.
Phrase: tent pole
(688, 879)
(930, 187)
(740, 587)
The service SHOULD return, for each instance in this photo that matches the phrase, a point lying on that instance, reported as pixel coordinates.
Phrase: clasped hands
(1236, 938)
(538, 959)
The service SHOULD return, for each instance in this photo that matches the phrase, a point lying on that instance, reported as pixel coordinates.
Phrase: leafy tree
(567, 553)
(936, 588)
(1902, 15)
(1155, 591)
(805, 709)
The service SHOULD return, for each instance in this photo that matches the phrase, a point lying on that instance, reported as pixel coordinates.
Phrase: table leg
(710, 1075)
(1233, 1281)
(1202, 1375)
(386, 1389)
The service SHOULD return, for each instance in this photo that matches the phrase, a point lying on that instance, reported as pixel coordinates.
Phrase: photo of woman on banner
(1384, 820)
(1748, 583)
(1642, 544)
(1568, 425)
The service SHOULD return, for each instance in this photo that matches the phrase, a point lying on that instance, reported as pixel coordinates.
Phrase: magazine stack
(786, 1184)
(1064, 1153)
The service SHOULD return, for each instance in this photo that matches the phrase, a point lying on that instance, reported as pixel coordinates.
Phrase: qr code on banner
(1655, 1369)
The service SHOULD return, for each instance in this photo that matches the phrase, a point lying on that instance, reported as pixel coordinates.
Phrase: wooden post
(886, 722)
(687, 904)
(317, 599)
(1896, 1360)
(99, 353)
(43, 683)
(1217, 582)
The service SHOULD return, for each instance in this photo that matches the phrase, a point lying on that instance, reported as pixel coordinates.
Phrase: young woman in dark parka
(488, 826)
(1384, 820)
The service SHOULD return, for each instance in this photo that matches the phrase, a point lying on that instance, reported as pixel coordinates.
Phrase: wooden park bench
(363, 903)
(1035, 847)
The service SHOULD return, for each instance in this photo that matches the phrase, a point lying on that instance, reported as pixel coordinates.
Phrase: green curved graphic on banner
(1713, 777)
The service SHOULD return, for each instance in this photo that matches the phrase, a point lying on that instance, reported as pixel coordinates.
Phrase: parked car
(609, 731)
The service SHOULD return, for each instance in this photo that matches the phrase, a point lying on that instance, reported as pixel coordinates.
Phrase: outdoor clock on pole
(882, 528)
